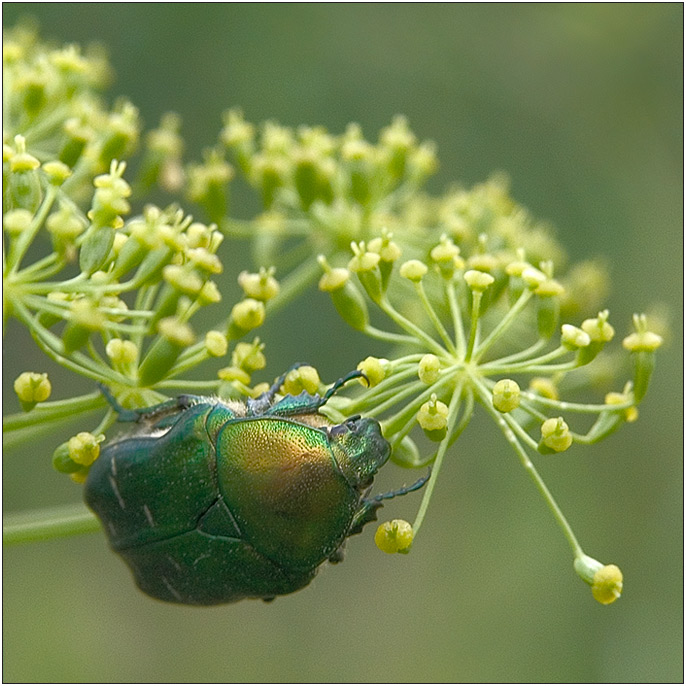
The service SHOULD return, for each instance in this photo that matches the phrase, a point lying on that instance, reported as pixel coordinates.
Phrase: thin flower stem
(408, 410)
(523, 354)
(438, 325)
(22, 243)
(53, 411)
(453, 409)
(294, 284)
(411, 328)
(474, 327)
(456, 315)
(536, 478)
(381, 335)
(576, 407)
(503, 325)
(43, 525)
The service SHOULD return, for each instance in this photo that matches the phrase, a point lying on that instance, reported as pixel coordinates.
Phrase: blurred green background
(582, 106)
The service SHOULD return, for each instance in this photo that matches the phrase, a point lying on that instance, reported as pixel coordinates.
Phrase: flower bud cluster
(296, 169)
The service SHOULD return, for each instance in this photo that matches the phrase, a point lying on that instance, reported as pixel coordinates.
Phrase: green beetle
(213, 501)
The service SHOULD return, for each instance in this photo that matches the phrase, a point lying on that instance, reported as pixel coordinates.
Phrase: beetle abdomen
(205, 569)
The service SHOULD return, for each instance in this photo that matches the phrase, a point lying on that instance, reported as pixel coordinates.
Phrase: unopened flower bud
(262, 286)
(247, 315)
(433, 418)
(394, 537)
(429, 369)
(374, 369)
(555, 435)
(216, 343)
(506, 395)
(32, 388)
(84, 448)
(414, 270)
(303, 378)
(477, 280)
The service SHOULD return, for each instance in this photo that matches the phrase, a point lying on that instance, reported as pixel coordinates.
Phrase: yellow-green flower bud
(446, 255)
(17, 221)
(174, 336)
(333, 279)
(84, 448)
(209, 293)
(613, 398)
(205, 260)
(23, 162)
(249, 356)
(347, 299)
(598, 328)
(388, 250)
(62, 462)
(57, 172)
(176, 332)
(414, 270)
(374, 369)
(642, 345)
(517, 267)
(574, 337)
(506, 395)
(433, 418)
(483, 262)
(65, 224)
(262, 286)
(122, 353)
(364, 260)
(394, 537)
(549, 288)
(600, 332)
(32, 388)
(642, 340)
(606, 581)
(544, 387)
(406, 454)
(555, 435)
(234, 374)
(182, 279)
(477, 280)
(247, 315)
(302, 379)
(533, 277)
(608, 584)
(429, 369)
(216, 343)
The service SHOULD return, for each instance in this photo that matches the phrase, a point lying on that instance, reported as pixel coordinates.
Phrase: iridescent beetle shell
(211, 501)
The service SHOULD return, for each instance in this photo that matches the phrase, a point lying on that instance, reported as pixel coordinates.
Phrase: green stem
(438, 325)
(43, 525)
(411, 328)
(536, 478)
(503, 325)
(453, 409)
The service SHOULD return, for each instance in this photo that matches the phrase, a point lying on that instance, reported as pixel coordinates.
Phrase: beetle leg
(369, 506)
(271, 393)
(182, 402)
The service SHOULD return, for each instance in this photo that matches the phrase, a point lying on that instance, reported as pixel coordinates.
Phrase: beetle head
(360, 449)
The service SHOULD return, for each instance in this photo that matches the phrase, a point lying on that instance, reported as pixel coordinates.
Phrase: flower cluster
(479, 336)
(472, 296)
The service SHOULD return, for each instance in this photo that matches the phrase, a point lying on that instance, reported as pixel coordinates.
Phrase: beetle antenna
(124, 415)
(356, 374)
(402, 491)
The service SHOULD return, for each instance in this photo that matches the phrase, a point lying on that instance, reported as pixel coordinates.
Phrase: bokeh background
(582, 106)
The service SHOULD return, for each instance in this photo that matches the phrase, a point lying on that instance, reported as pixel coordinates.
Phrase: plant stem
(43, 525)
